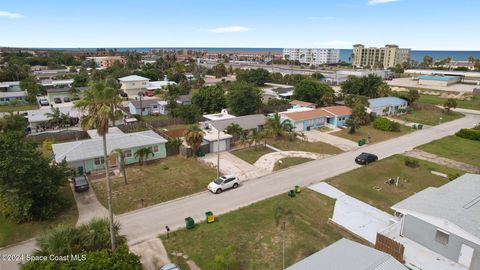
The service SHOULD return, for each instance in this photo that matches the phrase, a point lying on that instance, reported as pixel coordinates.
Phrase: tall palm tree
(99, 106)
(277, 128)
(194, 137)
(119, 153)
(142, 154)
(283, 216)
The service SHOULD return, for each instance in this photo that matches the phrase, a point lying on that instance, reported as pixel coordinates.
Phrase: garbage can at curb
(210, 217)
(189, 223)
(298, 189)
(291, 193)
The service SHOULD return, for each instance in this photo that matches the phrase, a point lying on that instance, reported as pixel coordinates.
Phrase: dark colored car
(80, 183)
(57, 100)
(66, 99)
(365, 158)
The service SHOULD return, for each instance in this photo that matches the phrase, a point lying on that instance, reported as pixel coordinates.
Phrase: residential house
(446, 219)
(10, 86)
(87, 155)
(305, 119)
(219, 116)
(348, 255)
(134, 84)
(246, 122)
(184, 100)
(149, 106)
(56, 83)
(38, 120)
(298, 103)
(7, 98)
(387, 106)
(106, 61)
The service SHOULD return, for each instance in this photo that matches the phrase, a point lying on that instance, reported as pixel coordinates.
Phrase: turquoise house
(87, 155)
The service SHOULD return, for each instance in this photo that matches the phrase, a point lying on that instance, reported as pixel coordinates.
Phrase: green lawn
(252, 154)
(473, 104)
(376, 135)
(300, 145)
(156, 182)
(256, 240)
(290, 161)
(11, 232)
(428, 114)
(10, 108)
(455, 148)
(361, 183)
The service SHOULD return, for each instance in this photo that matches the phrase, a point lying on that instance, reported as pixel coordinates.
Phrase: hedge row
(385, 124)
(470, 134)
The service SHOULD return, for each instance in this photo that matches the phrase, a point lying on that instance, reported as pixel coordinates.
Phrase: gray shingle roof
(348, 255)
(457, 201)
(133, 78)
(145, 102)
(245, 122)
(92, 148)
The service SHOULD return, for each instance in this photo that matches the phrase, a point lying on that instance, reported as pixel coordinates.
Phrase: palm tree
(235, 130)
(55, 117)
(283, 216)
(277, 128)
(119, 153)
(100, 106)
(194, 137)
(142, 154)
(353, 124)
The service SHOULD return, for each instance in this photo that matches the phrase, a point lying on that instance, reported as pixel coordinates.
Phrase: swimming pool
(439, 78)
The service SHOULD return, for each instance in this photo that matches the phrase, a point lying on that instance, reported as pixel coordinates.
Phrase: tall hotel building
(312, 56)
(386, 57)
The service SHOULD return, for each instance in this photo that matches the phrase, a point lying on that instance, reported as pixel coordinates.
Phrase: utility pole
(218, 153)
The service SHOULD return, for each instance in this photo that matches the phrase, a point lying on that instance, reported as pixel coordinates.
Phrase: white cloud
(10, 15)
(377, 2)
(229, 29)
(336, 43)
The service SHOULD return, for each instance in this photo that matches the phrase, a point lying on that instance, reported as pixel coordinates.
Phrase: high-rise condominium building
(312, 56)
(388, 56)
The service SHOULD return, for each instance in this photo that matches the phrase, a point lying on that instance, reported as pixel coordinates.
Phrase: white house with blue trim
(387, 106)
(305, 119)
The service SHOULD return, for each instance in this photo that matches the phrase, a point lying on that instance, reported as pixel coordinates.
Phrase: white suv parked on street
(222, 183)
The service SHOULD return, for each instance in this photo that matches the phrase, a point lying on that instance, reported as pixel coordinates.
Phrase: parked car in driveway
(43, 102)
(170, 266)
(365, 158)
(149, 93)
(66, 99)
(222, 183)
(80, 183)
(57, 100)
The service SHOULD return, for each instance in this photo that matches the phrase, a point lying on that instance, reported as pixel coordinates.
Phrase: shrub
(412, 163)
(385, 124)
(47, 144)
(470, 134)
(452, 176)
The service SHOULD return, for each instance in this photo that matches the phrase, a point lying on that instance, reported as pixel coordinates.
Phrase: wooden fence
(166, 122)
(60, 136)
(390, 246)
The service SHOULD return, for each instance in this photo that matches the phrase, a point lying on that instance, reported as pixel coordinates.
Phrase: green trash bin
(291, 193)
(420, 126)
(361, 142)
(200, 153)
(414, 126)
(189, 223)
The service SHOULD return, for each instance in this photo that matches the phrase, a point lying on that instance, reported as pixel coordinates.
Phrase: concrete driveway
(318, 136)
(88, 206)
(231, 164)
(267, 161)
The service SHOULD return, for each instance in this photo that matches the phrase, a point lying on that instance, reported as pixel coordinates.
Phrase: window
(99, 161)
(442, 237)
(155, 148)
(132, 84)
(128, 153)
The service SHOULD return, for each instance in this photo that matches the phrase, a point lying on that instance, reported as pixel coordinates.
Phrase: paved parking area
(408, 82)
(231, 164)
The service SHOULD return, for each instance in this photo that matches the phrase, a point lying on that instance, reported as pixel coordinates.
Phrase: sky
(416, 24)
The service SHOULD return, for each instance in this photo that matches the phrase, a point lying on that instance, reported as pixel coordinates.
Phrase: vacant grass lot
(376, 135)
(156, 182)
(251, 154)
(300, 145)
(455, 148)
(11, 232)
(10, 108)
(473, 104)
(256, 240)
(290, 161)
(361, 183)
(428, 114)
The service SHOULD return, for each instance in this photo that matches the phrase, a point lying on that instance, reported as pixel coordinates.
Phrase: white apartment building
(312, 56)
(385, 57)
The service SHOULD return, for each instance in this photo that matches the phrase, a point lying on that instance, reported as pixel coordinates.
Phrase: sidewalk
(231, 164)
(416, 153)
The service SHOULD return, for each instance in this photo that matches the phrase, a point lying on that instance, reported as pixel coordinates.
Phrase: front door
(466, 254)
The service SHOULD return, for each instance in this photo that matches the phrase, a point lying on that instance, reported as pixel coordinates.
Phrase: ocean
(344, 53)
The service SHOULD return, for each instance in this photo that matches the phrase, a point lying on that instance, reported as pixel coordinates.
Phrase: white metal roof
(457, 202)
(40, 114)
(348, 255)
(8, 84)
(13, 94)
(159, 84)
(133, 78)
(92, 148)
